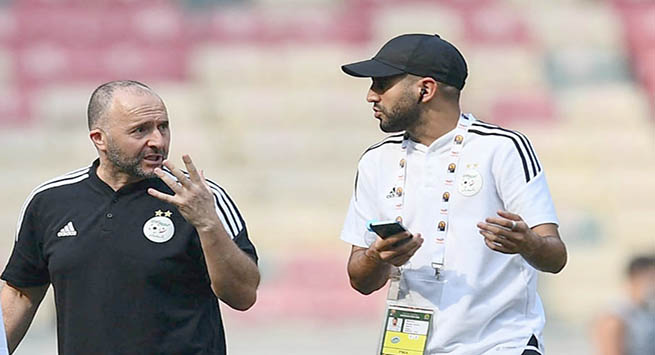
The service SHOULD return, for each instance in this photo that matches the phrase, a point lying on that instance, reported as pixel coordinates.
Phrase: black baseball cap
(418, 54)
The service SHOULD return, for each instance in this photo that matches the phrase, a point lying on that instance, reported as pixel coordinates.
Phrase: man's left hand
(509, 234)
(192, 197)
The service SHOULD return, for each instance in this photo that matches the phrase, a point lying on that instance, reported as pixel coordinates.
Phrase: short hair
(640, 263)
(102, 97)
(447, 92)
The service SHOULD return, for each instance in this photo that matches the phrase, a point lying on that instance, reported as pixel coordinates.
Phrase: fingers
(400, 254)
(510, 221)
(160, 195)
(193, 172)
(403, 256)
(505, 234)
(194, 175)
(498, 247)
(388, 242)
(509, 215)
(169, 181)
(410, 246)
(179, 175)
(498, 241)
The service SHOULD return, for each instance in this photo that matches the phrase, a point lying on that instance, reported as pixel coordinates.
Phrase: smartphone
(386, 229)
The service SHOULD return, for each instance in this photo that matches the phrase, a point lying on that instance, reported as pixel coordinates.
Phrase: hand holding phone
(400, 251)
(386, 229)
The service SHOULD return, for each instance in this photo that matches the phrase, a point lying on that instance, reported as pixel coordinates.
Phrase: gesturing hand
(192, 195)
(509, 234)
(390, 251)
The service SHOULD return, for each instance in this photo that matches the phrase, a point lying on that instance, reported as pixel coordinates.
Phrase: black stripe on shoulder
(531, 150)
(522, 138)
(393, 139)
(516, 144)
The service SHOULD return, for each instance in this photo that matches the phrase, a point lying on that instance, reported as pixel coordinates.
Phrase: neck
(112, 177)
(434, 126)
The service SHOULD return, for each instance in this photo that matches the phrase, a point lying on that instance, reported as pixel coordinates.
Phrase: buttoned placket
(109, 216)
(439, 177)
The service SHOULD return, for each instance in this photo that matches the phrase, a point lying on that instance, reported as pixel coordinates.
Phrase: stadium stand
(258, 82)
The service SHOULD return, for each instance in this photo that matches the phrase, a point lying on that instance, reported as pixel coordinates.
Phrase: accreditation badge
(408, 320)
(406, 330)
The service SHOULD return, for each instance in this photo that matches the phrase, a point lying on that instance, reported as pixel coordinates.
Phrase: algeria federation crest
(160, 228)
(470, 182)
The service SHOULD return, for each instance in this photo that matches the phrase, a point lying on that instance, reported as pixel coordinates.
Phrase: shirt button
(109, 215)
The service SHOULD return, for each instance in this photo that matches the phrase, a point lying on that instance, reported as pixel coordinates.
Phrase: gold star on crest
(158, 213)
(168, 213)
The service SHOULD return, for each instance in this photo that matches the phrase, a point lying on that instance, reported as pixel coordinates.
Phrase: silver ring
(513, 227)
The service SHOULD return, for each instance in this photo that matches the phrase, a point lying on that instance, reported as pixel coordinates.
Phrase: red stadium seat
(73, 64)
(495, 25)
(8, 27)
(246, 24)
(14, 107)
(639, 23)
(530, 106)
(302, 286)
(115, 4)
(458, 4)
(91, 26)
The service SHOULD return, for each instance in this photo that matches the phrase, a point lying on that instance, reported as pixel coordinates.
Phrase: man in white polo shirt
(473, 197)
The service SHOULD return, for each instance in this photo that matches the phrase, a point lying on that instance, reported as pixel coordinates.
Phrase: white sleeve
(522, 185)
(362, 207)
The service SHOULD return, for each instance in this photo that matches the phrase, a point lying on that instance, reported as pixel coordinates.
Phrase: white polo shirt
(488, 303)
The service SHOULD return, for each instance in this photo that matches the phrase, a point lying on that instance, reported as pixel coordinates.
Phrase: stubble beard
(130, 166)
(404, 114)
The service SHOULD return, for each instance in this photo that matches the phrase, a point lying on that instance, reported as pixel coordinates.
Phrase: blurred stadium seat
(256, 86)
(14, 107)
(496, 25)
(575, 67)
(639, 23)
(401, 17)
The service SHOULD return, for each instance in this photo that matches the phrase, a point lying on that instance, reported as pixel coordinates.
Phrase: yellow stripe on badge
(397, 343)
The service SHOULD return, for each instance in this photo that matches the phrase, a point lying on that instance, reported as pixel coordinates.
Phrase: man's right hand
(369, 268)
(396, 249)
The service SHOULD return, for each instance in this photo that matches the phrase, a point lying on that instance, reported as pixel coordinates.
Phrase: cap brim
(370, 69)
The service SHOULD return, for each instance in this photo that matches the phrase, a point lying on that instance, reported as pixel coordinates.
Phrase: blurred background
(256, 96)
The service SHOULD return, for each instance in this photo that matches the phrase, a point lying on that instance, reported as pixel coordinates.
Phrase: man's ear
(427, 89)
(98, 138)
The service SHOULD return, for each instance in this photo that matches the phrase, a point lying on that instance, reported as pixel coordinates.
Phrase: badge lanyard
(441, 229)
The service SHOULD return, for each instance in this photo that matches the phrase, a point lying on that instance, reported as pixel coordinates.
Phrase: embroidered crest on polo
(470, 182)
(160, 228)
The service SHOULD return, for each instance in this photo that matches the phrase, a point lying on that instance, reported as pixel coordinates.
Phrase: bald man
(137, 250)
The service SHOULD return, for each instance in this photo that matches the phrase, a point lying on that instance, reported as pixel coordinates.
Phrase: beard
(131, 165)
(404, 114)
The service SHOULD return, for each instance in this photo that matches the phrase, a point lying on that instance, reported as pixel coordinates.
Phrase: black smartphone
(386, 229)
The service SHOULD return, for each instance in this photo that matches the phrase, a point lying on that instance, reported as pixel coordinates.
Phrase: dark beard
(402, 116)
(130, 166)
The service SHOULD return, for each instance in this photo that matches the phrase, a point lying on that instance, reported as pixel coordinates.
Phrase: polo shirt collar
(103, 187)
(439, 144)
